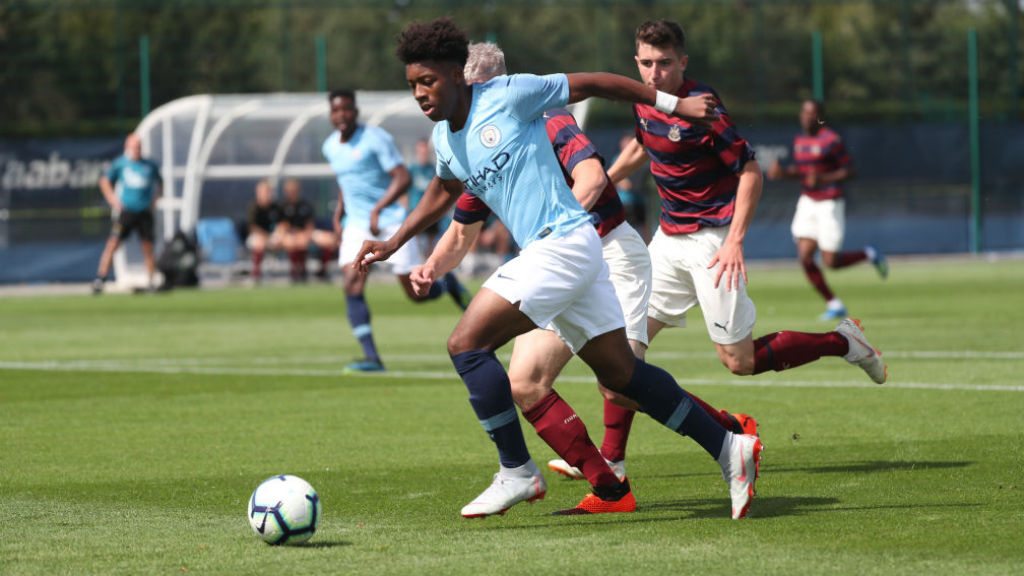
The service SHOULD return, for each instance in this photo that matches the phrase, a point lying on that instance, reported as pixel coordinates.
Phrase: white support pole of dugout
(290, 133)
(190, 193)
(170, 200)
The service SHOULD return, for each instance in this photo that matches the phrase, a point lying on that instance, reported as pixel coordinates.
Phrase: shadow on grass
(692, 509)
(873, 466)
(325, 544)
(719, 509)
(851, 467)
(763, 507)
(784, 506)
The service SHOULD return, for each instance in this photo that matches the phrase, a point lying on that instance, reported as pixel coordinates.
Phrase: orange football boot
(612, 501)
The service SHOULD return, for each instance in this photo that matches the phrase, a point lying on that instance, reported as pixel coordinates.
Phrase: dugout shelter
(213, 148)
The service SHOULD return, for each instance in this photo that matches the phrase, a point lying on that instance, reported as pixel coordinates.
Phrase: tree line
(73, 67)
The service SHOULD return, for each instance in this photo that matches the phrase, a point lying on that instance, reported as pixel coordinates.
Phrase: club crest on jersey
(490, 136)
(674, 134)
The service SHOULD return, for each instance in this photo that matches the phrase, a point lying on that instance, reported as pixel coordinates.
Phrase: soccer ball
(284, 510)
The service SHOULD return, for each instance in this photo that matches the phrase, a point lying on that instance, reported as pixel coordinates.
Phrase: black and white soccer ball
(284, 509)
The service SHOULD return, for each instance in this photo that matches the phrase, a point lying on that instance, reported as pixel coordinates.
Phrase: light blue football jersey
(504, 157)
(362, 165)
(134, 180)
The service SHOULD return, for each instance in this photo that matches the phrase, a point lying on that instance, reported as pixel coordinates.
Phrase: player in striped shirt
(539, 356)
(710, 183)
(490, 139)
(822, 164)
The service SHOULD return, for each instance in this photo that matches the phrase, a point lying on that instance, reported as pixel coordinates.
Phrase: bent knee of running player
(611, 359)
(489, 323)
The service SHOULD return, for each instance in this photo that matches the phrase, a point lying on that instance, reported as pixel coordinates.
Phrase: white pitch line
(265, 360)
(450, 375)
(149, 363)
(131, 368)
(750, 383)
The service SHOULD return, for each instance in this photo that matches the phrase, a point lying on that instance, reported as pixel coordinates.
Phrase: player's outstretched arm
(339, 213)
(779, 172)
(836, 176)
(729, 258)
(589, 181)
(107, 188)
(398, 186)
(158, 192)
(699, 109)
(451, 248)
(437, 199)
(632, 158)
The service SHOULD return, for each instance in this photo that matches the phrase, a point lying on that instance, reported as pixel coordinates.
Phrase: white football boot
(740, 461)
(861, 353)
(510, 487)
(574, 473)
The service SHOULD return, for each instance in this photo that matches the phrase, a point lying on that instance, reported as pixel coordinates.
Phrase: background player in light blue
(422, 172)
(371, 178)
(132, 187)
(491, 141)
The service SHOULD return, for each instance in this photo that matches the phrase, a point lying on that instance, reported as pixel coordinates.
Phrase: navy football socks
(359, 318)
(662, 399)
(490, 394)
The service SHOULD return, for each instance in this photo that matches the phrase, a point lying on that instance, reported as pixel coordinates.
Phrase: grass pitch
(134, 428)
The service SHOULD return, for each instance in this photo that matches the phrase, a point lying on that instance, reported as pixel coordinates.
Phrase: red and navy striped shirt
(571, 146)
(695, 168)
(823, 152)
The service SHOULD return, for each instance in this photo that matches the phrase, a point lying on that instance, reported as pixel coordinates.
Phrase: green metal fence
(936, 81)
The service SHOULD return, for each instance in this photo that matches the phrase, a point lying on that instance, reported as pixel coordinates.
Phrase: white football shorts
(821, 220)
(682, 280)
(402, 261)
(629, 266)
(562, 284)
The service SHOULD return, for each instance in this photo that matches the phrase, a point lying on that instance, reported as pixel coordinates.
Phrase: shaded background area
(75, 76)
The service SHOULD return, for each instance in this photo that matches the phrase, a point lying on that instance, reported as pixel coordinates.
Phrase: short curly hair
(440, 41)
(342, 93)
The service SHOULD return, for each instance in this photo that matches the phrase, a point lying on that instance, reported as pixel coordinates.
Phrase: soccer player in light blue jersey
(371, 178)
(422, 172)
(132, 187)
(490, 140)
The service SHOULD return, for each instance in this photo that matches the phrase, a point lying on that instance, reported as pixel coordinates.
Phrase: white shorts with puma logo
(682, 280)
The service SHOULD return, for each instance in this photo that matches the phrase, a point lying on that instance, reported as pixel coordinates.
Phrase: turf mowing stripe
(450, 375)
(923, 354)
(946, 354)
